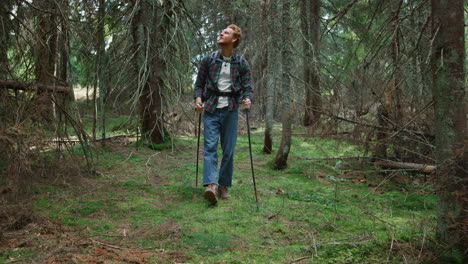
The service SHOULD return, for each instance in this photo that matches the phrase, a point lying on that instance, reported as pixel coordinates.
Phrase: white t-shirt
(224, 82)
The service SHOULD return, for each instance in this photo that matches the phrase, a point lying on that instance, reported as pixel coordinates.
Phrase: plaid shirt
(207, 81)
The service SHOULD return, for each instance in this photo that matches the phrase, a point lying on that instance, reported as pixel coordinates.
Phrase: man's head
(231, 34)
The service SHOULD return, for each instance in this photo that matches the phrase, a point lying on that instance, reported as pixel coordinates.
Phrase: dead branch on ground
(24, 86)
(425, 168)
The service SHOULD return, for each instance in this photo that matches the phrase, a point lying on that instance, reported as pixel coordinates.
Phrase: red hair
(237, 34)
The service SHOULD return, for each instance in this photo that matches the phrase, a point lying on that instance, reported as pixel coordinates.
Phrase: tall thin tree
(268, 80)
(5, 26)
(311, 31)
(450, 102)
(4, 46)
(392, 95)
(101, 54)
(280, 161)
(306, 59)
(62, 68)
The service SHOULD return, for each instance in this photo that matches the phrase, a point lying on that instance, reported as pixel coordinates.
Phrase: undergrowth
(315, 211)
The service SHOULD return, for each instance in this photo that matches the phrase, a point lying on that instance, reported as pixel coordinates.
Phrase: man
(223, 82)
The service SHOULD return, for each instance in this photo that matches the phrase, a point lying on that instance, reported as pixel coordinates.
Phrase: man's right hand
(199, 105)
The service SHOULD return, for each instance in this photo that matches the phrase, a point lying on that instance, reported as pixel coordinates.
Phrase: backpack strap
(213, 56)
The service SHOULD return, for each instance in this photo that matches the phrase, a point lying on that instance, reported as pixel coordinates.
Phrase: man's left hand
(246, 103)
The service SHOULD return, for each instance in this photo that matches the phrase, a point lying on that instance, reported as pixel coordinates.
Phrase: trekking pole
(251, 160)
(198, 148)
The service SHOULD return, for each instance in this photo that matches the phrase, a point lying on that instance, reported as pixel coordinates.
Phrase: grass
(115, 123)
(16, 254)
(313, 210)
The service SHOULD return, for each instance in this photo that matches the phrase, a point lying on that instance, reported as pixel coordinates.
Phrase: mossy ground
(315, 211)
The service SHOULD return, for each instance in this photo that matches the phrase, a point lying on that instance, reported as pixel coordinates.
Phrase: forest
(354, 150)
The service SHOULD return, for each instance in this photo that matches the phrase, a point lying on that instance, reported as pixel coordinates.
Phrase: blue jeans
(220, 124)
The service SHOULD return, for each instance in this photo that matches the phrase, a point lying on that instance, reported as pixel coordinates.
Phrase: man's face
(226, 37)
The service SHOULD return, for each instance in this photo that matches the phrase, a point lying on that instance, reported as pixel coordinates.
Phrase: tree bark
(393, 95)
(389, 114)
(150, 28)
(315, 71)
(261, 79)
(381, 132)
(102, 73)
(62, 71)
(63, 46)
(5, 26)
(312, 81)
(281, 159)
(394, 104)
(100, 80)
(46, 54)
(306, 61)
(450, 118)
(268, 80)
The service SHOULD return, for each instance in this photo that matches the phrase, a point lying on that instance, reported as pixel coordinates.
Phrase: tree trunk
(63, 50)
(95, 108)
(394, 104)
(268, 79)
(315, 71)
(63, 47)
(150, 66)
(394, 100)
(381, 133)
(450, 118)
(312, 70)
(5, 26)
(261, 79)
(417, 60)
(46, 53)
(306, 61)
(101, 54)
(389, 115)
(280, 161)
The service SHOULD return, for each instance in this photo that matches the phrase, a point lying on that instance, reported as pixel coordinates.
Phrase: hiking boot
(223, 192)
(211, 193)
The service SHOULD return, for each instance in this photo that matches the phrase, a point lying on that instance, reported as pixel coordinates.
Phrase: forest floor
(142, 206)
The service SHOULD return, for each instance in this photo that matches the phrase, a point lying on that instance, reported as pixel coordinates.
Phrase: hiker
(223, 83)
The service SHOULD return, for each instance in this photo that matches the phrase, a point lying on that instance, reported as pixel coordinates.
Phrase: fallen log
(24, 86)
(116, 136)
(405, 165)
(337, 158)
(75, 139)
